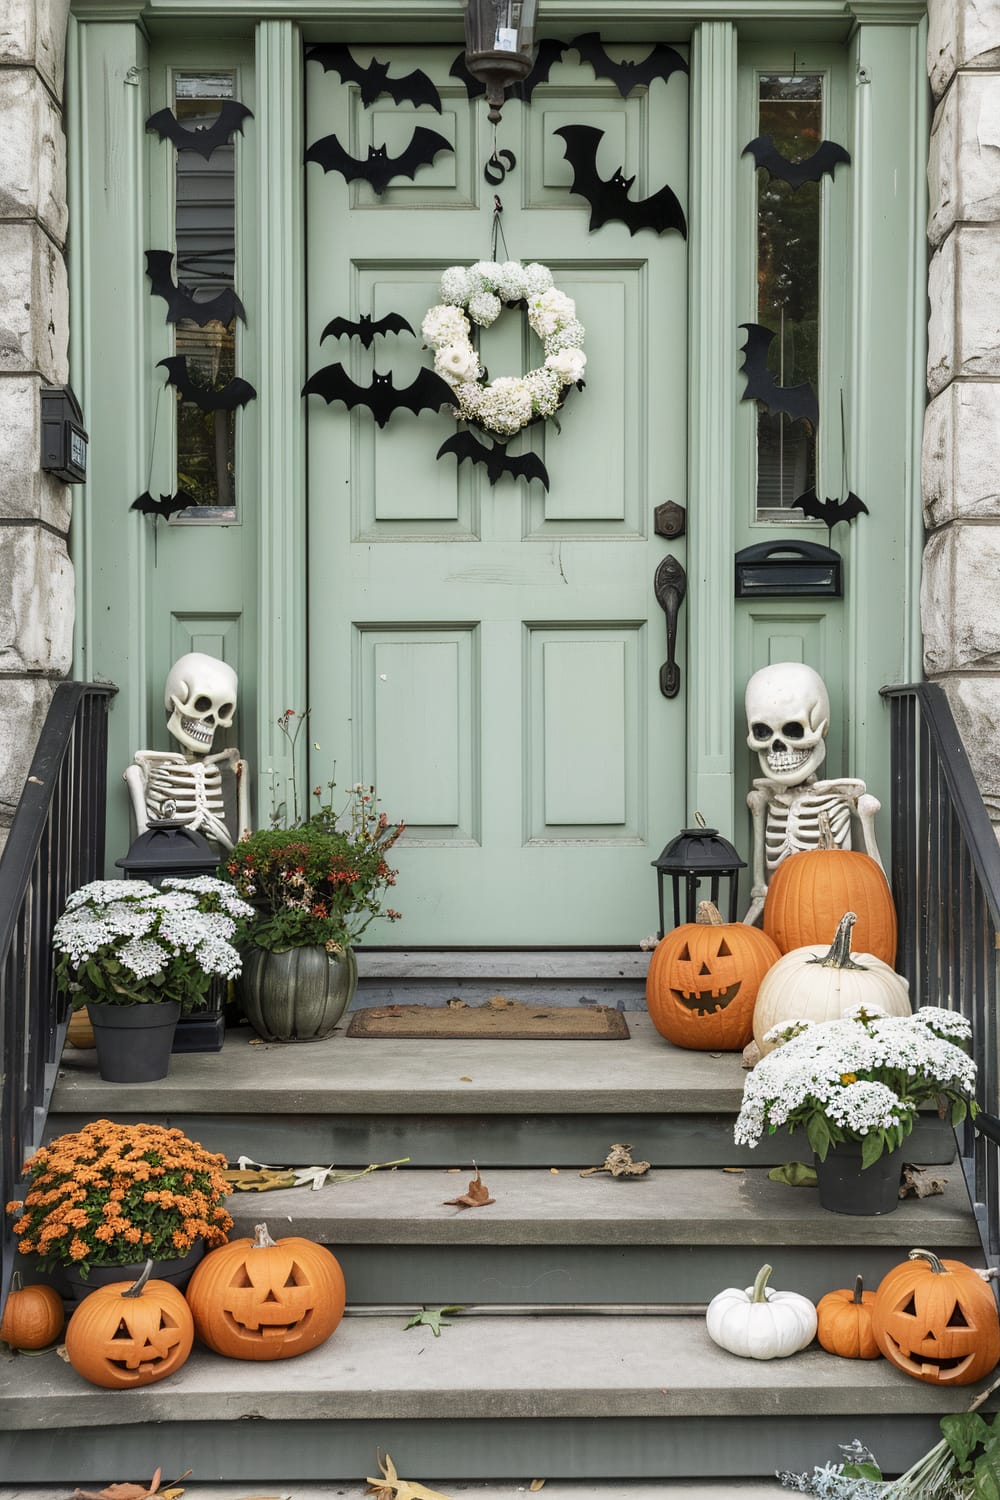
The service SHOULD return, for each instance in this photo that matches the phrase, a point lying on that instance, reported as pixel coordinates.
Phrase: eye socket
(761, 731)
(793, 731)
(684, 956)
(202, 703)
(724, 951)
(226, 710)
(958, 1318)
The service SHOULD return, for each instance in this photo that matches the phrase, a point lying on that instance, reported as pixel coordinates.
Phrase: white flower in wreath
(568, 364)
(484, 308)
(455, 286)
(444, 325)
(457, 362)
(549, 311)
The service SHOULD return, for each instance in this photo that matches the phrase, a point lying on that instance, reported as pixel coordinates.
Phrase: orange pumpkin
(33, 1317)
(809, 893)
(266, 1299)
(703, 979)
(844, 1322)
(124, 1335)
(937, 1320)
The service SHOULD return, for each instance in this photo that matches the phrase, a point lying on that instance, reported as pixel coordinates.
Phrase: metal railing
(56, 842)
(946, 884)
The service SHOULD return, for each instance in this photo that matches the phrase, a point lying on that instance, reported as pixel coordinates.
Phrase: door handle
(670, 586)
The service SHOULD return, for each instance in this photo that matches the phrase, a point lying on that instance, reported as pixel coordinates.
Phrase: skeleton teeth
(196, 730)
(786, 760)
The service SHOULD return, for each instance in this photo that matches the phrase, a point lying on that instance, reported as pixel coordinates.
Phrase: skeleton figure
(788, 715)
(187, 785)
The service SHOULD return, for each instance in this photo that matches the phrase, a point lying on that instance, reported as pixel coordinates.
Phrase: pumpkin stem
(262, 1239)
(826, 838)
(928, 1255)
(709, 915)
(135, 1290)
(839, 956)
(760, 1282)
(859, 1288)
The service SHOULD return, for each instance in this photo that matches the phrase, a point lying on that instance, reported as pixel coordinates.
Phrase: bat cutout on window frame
(165, 507)
(237, 392)
(180, 300)
(495, 459)
(831, 512)
(427, 392)
(661, 62)
(609, 199)
(373, 79)
(796, 401)
(827, 156)
(206, 139)
(379, 169)
(549, 53)
(365, 328)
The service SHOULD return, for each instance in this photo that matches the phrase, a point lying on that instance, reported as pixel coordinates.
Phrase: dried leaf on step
(477, 1195)
(315, 1177)
(794, 1174)
(456, 1003)
(619, 1163)
(122, 1491)
(433, 1318)
(920, 1182)
(499, 1002)
(536, 1485)
(391, 1487)
(262, 1181)
(465, 1078)
(751, 1055)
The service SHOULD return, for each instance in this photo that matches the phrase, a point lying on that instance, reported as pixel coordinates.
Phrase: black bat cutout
(609, 200)
(180, 300)
(796, 401)
(163, 508)
(236, 393)
(496, 459)
(203, 139)
(831, 512)
(662, 62)
(412, 88)
(379, 168)
(549, 53)
(365, 328)
(383, 398)
(827, 156)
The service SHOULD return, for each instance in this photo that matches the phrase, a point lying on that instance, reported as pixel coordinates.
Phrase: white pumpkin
(758, 1323)
(817, 984)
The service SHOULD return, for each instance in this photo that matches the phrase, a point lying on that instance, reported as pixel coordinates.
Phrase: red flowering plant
(321, 879)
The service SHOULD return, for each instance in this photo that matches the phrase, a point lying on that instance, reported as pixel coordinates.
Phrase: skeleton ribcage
(790, 830)
(195, 792)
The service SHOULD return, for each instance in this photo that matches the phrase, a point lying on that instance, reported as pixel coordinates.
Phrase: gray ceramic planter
(298, 996)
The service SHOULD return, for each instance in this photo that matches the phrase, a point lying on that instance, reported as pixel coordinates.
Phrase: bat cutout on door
(796, 401)
(180, 300)
(203, 138)
(379, 168)
(237, 392)
(830, 512)
(373, 78)
(366, 327)
(609, 200)
(549, 53)
(428, 391)
(662, 62)
(165, 507)
(495, 459)
(827, 156)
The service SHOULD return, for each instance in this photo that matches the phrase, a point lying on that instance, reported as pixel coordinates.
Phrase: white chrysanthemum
(143, 957)
(219, 891)
(457, 362)
(568, 364)
(444, 325)
(569, 336)
(455, 285)
(484, 308)
(217, 957)
(946, 1023)
(100, 892)
(537, 278)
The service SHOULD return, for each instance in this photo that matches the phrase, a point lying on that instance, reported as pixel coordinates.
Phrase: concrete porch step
(557, 976)
(464, 1489)
(571, 1397)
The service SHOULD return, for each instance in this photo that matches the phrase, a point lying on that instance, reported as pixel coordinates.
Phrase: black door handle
(670, 586)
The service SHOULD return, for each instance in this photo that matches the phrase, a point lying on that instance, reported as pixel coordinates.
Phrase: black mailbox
(788, 569)
(64, 438)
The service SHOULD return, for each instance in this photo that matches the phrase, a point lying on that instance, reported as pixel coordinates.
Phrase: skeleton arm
(758, 801)
(863, 805)
(241, 770)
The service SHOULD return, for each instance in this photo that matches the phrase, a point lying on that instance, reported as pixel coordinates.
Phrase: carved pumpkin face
(119, 1341)
(703, 980)
(267, 1300)
(937, 1321)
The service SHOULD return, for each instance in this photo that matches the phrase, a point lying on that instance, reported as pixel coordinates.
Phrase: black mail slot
(788, 569)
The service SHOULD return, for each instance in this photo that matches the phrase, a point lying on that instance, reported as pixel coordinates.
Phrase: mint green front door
(489, 657)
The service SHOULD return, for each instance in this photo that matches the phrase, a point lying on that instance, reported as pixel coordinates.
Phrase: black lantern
(698, 854)
(500, 45)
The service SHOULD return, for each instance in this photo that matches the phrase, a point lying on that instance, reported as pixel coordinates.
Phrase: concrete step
(676, 1235)
(571, 1397)
(557, 976)
(477, 1489)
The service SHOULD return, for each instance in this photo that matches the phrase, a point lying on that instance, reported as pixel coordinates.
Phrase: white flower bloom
(143, 957)
(444, 325)
(484, 308)
(568, 364)
(512, 283)
(457, 362)
(569, 336)
(100, 892)
(485, 275)
(550, 311)
(537, 278)
(455, 285)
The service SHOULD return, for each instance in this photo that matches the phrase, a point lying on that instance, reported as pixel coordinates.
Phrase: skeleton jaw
(198, 731)
(787, 760)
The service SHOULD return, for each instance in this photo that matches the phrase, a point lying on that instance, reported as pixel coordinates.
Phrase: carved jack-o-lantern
(703, 979)
(937, 1320)
(126, 1334)
(261, 1299)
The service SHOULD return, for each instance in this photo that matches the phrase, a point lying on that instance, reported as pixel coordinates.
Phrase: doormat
(499, 1018)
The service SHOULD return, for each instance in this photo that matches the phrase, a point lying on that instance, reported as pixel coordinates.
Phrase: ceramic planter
(133, 1041)
(298, 996)
(845, 1189)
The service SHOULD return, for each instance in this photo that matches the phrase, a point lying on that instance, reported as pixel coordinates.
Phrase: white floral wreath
(479, 292)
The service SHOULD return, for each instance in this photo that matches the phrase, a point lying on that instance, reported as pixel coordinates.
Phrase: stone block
(34, 304)
(24, 702)
(964, 292)
(975, 704)
(960, 599)
(961, 34)
(33, 32)
(27, 493)
(36, 602)
(964, 164)
(32, 153)
(961, 454)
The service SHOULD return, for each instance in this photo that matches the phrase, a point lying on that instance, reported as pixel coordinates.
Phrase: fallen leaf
(794, 1174)
(255, 1041)
(751, 1056)
(61, 1351)
(734, 1169)
(391, 1487)
(536, 1485)
(477, 1196)
(619, 1163)
(315, 1177)
(465, 1078)
(455, 1003)
(123, 1491)
(499, 1002)
(431, 1317)
(554, 1171)
(452, 1170)
(246, 1181)
(920, 1182)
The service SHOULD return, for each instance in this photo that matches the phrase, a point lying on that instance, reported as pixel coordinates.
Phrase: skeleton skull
(200, 697)
(788, 714)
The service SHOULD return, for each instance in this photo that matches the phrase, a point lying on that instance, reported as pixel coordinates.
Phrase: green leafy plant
(433, 1318)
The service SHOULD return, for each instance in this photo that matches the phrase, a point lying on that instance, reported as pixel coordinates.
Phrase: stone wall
(36, 576)
(961, 480)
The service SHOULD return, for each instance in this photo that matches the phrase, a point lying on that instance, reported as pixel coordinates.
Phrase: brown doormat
(509, 1020)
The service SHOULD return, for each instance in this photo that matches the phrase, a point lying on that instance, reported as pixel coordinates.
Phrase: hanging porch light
(500, 45)
(696, 855)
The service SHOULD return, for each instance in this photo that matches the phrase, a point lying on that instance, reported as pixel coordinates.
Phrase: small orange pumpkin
(33, 1317)
(809, 893)
(124, 1335)
(266, 1299)
(844, 1322)
(937, 1320)
(703, 979)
